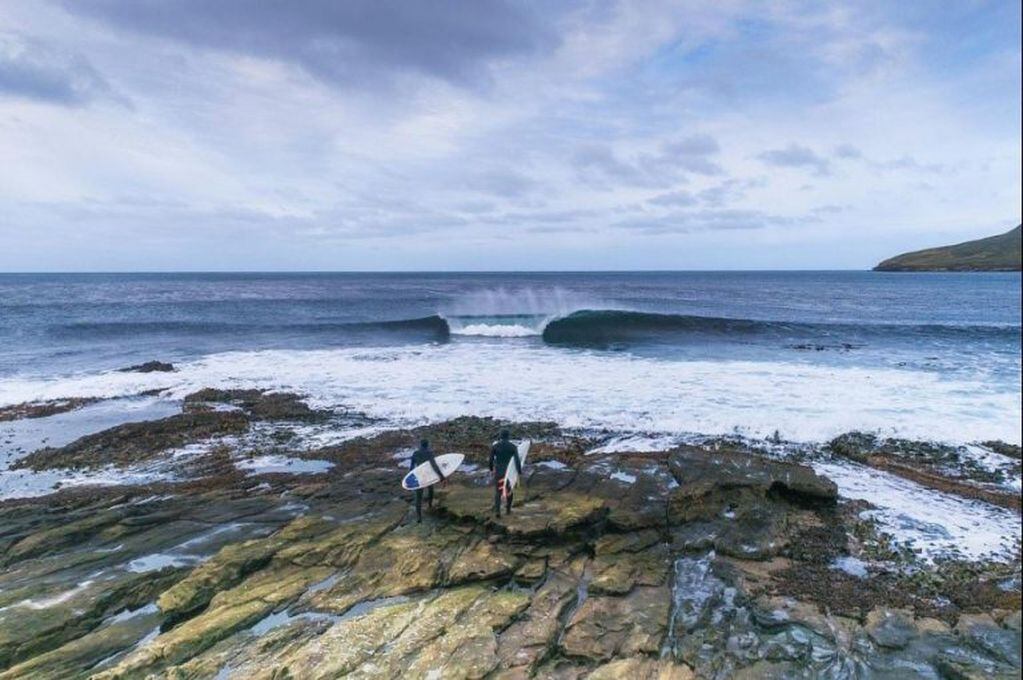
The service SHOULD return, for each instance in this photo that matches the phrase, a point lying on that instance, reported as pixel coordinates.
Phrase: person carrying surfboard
(421, 455)
(501, 455)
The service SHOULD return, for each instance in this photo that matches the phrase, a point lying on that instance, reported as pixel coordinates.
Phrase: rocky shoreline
(711, 561)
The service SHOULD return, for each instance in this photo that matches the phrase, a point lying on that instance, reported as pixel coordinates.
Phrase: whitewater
(587, 389)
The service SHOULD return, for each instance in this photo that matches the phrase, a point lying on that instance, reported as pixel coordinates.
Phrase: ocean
(796, 356)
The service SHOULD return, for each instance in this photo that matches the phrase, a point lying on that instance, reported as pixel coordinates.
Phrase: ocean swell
(602, 327)
(589, 328)
(429, 327)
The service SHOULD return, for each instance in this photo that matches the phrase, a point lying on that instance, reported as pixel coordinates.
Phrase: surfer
(501, 455)
(421, 455)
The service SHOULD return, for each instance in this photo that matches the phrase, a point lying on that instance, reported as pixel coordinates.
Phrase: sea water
(804, 355)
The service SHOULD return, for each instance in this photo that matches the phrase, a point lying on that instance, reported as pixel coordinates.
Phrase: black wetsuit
(420, 456)
(501, 456)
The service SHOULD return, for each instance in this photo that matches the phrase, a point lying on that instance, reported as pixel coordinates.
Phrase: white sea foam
(31, 484)
(623, 477)
(552, 464)
(933, 523)
(274, 463)
(802, 402)
(851, 565)
(129, 614)
(47, 602)
(496, 330)
(637, 443)
(158, 561)
(518, 313)
(996, 462)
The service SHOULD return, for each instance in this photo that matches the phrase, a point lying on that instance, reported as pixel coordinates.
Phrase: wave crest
(497, 330)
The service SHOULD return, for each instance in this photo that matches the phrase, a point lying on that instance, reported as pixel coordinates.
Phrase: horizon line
(425, 271)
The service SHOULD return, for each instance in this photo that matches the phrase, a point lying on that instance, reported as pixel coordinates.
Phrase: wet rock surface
(43, 409)
(256, 404)
(1010, 450)
(207, 415)
(939, 466)
(691, 563)
(149, 367)
(136, 442)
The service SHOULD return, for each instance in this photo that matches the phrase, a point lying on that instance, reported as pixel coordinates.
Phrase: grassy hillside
(992, 254)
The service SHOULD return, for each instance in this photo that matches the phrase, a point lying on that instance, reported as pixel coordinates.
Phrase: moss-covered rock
(229, 611)
(77, 658)
(35, 626)
(641, 668)
(534, 636)
(230, 566)
(536, 516)
(604, 627)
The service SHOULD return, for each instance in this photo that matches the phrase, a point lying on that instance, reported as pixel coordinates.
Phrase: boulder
(149, 367)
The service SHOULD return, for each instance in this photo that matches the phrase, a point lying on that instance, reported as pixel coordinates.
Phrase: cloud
(503, 183)
(796, 156)
(909, 163)
(731, 219)
(353, 42)
(729, 191)
(847, 151)
(904, 162)
(362, 133)
(674, 198)
(673, 159)
(597, 163)
(32, 70)
(691, 154)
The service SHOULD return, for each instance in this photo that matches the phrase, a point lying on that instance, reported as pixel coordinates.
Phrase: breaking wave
(592, 328)
(498, 325)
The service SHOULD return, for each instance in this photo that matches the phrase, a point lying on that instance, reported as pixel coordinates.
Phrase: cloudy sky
(493, 134)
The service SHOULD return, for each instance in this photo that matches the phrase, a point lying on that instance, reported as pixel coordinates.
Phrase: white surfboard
(511, 477)
(423, 475)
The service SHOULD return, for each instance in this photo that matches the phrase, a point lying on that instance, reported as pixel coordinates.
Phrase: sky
(145, 135)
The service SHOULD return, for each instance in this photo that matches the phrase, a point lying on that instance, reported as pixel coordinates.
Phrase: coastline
(257, 542)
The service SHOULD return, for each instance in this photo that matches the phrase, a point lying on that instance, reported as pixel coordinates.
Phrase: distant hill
(992, 254)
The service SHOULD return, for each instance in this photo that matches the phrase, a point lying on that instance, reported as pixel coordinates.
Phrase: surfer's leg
(429, 498)
(497, 497)
(419, 505)
(511, 494)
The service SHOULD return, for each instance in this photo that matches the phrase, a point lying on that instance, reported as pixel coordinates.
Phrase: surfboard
(423, 475)
(511, 477)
